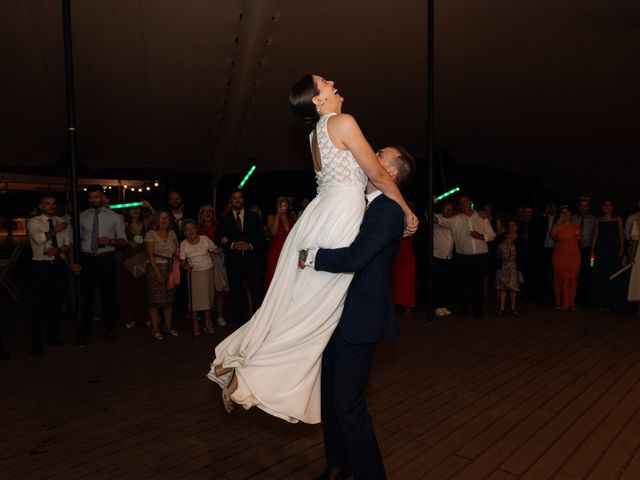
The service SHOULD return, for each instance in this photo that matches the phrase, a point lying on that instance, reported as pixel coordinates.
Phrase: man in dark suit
(368, 317)
(241, 234)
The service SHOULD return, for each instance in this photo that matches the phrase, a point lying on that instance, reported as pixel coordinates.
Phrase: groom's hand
(302, 258)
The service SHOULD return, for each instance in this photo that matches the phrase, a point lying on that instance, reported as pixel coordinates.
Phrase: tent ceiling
(533, 86)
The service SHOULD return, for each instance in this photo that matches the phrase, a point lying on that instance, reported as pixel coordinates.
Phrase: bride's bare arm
(348, 133)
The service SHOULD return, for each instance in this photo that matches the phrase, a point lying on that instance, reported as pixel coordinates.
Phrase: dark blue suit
(368, 318)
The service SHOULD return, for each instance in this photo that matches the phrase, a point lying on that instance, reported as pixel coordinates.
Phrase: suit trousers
(442, 282)
(471, 271)
(48, 280)
(100, 273)
(348, 430)
(239, 271)
(584, 279)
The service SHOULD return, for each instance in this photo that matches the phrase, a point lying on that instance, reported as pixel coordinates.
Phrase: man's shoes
(54, 341)
(335, 473)
(446, 311)
(110, 337)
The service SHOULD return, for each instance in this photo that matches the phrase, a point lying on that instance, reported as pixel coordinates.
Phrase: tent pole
(73, 160)
(430, 149)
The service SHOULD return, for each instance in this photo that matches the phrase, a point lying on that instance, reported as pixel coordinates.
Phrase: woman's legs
(502, 298)
(194, 323)
(514, 297)
(207, 320)
(557, 288)
(167, 313)
(153, 318)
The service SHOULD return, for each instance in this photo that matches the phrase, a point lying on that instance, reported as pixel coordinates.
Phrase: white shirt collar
(372, 196)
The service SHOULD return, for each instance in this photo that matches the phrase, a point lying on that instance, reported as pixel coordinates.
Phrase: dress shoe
(54, 341)
(335, 474)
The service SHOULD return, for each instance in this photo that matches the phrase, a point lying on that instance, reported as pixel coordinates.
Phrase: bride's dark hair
(301, 100)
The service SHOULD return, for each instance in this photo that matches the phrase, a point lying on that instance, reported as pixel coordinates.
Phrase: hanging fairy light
(140, 190)
(148, 188)
(155, 184)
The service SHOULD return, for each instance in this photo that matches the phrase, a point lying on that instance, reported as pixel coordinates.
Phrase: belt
(102, 254)
(48, 262)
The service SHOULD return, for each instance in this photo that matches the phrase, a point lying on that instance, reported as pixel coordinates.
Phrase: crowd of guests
(135, 266)
(572, 259)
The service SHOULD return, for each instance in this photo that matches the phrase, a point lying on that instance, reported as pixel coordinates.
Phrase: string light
(125, 187)
(148, 188)
(140, 189)
(155, 184)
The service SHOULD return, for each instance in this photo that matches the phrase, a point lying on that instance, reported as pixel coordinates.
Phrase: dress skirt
(202, 290)
(157, 293)
(277, 354)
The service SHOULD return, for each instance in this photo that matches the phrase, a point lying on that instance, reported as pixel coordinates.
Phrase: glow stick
(125, 205)
(246, 177)
(446, 194)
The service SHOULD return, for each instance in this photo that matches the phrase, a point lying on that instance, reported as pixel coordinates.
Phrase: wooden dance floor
(546, 395)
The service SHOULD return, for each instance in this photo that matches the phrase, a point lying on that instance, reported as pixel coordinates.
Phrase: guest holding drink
(566, 259)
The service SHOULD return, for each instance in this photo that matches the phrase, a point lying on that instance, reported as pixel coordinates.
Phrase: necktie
(239, 221)
(52, 229)
(54, 239)
(94, 233)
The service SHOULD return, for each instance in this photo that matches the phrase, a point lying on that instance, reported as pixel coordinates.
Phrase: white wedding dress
(634, 281)
(277, 354)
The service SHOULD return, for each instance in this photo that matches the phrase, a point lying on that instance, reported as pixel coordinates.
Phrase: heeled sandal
(157, 336)
(226, 395)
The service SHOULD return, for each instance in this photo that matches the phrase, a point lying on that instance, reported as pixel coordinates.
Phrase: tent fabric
(536, 87)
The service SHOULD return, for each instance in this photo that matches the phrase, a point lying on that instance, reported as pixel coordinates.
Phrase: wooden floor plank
(543, 395)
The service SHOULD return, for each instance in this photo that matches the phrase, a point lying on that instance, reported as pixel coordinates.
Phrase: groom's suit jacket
(368, 315)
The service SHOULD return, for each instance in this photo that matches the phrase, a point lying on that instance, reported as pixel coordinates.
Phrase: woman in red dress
(404, 276)
(404, 273)
(278, 226)
(566, 259)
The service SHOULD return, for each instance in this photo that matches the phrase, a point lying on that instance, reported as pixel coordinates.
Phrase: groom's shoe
(335, 473)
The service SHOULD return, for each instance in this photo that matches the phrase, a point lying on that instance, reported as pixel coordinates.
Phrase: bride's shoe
(228, 391)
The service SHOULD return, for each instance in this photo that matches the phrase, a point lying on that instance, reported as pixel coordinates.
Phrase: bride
(273, 361)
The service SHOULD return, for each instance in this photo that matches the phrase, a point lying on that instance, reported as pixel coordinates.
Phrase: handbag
(137, 264)
(174, 274)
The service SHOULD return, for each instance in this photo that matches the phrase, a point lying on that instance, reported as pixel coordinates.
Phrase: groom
(351, 447)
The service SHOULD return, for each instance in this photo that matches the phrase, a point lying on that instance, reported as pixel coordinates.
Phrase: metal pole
(73, 160)
(430, 149)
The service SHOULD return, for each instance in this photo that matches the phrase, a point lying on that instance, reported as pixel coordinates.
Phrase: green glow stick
(446, 194)
(125, 205)
(246, 177)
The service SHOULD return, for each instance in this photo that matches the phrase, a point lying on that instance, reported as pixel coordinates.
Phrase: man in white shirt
(101, 233)
(628, 226)
(587, 222)
(442, 262)
(471, 232)
(50, 238)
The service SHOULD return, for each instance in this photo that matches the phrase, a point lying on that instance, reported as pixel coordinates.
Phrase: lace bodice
(339, 167)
